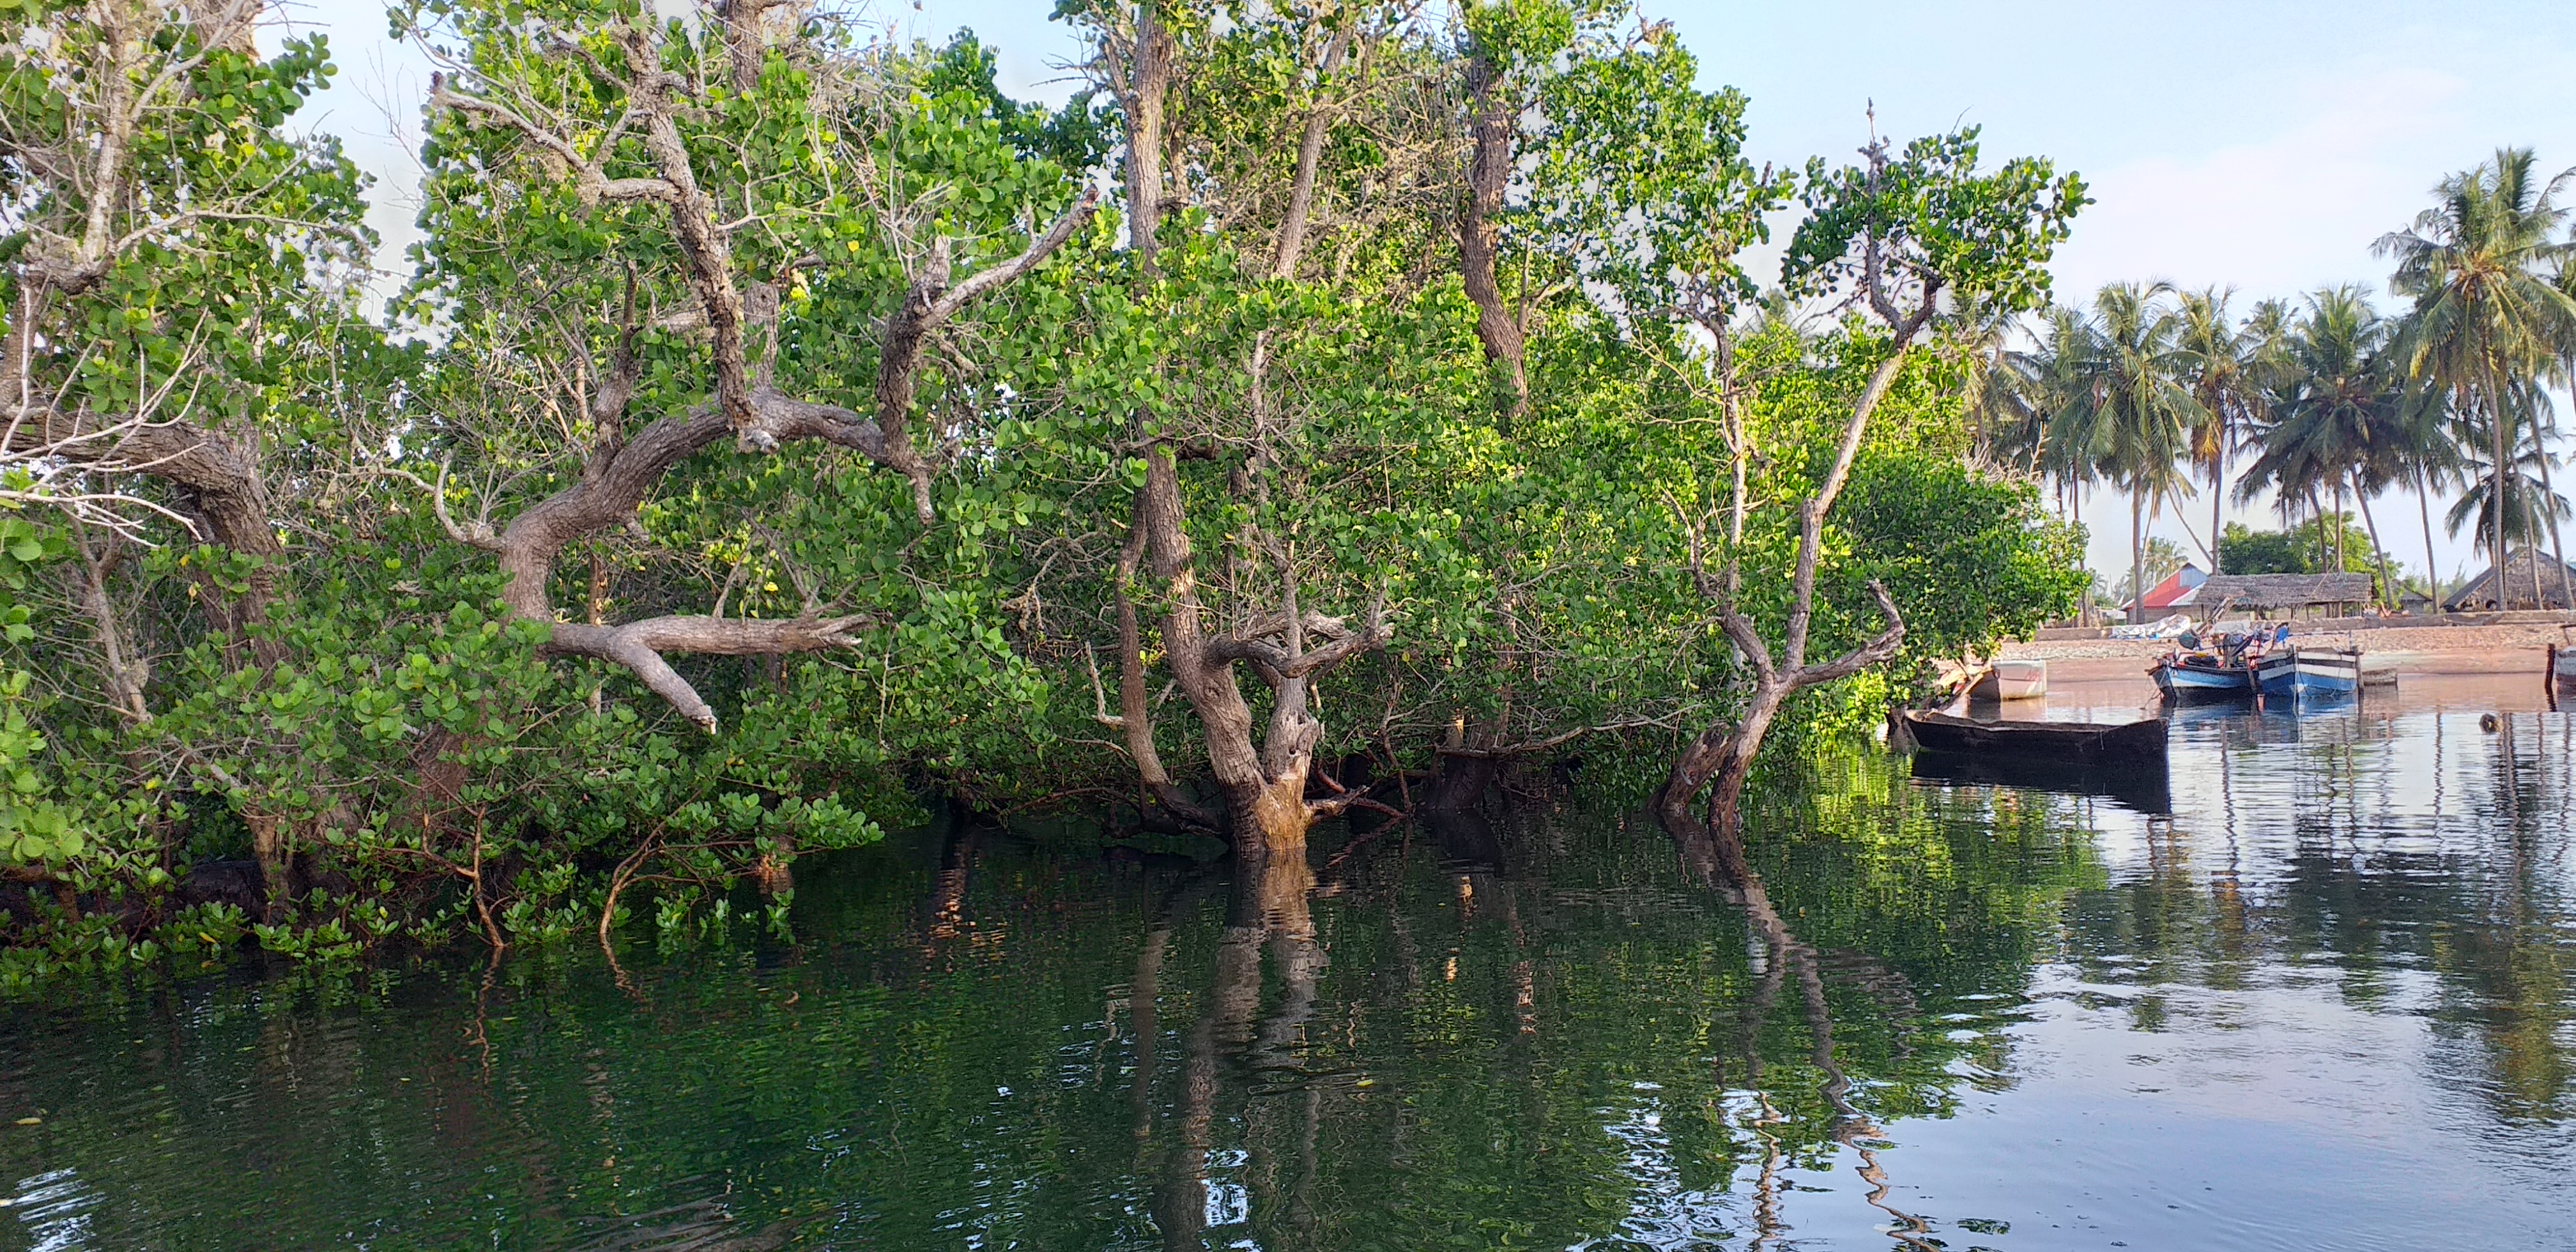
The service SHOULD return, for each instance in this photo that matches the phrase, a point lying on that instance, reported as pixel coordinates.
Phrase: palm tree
(2226, 365)
(2544, 426)
(2335, 414)
(2070, 444)
(2486, 315)
(2530, 481)
(2067, 445)
(2137, 402)
(2427, 453)
(2529, 507)
(2565, 281)
(2005, 400)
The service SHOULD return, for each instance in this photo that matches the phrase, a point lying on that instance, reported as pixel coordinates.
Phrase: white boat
(2011, 680)
(2562, 665)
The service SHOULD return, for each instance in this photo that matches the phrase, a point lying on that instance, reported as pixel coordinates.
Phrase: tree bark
(2137, 606)
(2557, 545)
(1459, 781)
(2498, 414)
(1723, 754)
(2217, 498)
(2370, 526)
(1310, 156)
(743, 395)
(2341, 561)
(1163, 798)
(1149, 81)
(2432, 561)
(272, 844)
(232, 25)
(122, 672)
(220, 492)
(216, 475)
(746, 42)
(2084, 608)
(2324, 553)
(1491, 118)
(1739, 451)
(703, 247)
(1264, 785)
(1265, 809)
(620, 472)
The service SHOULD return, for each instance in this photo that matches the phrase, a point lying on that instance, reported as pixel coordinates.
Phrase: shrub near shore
(778, 439)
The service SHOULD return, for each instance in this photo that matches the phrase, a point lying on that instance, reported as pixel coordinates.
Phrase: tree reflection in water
(1712, 853)
(1503, 1015)
(1530, 1025)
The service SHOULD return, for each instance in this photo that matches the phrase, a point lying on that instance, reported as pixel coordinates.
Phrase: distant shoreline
(2490, 650)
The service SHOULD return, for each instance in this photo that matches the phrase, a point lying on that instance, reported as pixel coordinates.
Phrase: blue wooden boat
(2201, 676)
(2308, 673)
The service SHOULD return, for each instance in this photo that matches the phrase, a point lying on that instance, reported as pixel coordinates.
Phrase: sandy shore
(2496, 650)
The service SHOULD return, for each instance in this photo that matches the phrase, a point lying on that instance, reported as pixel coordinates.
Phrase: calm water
(2325, 1004)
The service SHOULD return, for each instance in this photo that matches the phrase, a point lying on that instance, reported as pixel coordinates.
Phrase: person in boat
(2258, 642)
(2194, 652)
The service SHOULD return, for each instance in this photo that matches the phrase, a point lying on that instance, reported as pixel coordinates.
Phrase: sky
(2256, 144)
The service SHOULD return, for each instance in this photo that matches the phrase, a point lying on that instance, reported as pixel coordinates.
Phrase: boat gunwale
(2116, 745)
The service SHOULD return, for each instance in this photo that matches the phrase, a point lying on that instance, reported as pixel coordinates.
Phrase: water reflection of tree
(971, 1038)
(2514, 954)
(2457, 912)
(1713, 855)
(1495, 1013)
(1529, 1027)
(1268, 912)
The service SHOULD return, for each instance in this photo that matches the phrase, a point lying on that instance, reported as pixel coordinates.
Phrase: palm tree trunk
(2432, 566)
(2340, 562)
(2549, 503)
(2084, 610)
(2217, 498)
(2137, 554)
(2387, 581)
(2497, 416)
(2317, 514)
(2534, 545)
(2549, 509)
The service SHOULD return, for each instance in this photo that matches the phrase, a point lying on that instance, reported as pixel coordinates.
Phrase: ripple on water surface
(2322, 1003)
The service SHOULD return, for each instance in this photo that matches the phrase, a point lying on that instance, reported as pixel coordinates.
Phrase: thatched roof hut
(2266, 592)
(2520, 569)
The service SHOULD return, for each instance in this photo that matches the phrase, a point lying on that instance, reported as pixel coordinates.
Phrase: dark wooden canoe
(2132, 745)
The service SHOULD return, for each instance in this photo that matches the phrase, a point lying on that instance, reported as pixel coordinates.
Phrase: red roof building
(2172, 593)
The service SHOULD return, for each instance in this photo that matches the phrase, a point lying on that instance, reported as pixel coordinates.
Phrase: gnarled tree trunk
(617, 472)
(1723, 754)
(1264, 785)
(1492, 114)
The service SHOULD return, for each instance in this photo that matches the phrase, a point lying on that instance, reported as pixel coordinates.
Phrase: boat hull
(2562, 668)
(2191, 682)
(2011, 680)
(2134, 745)
(2309, 672)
